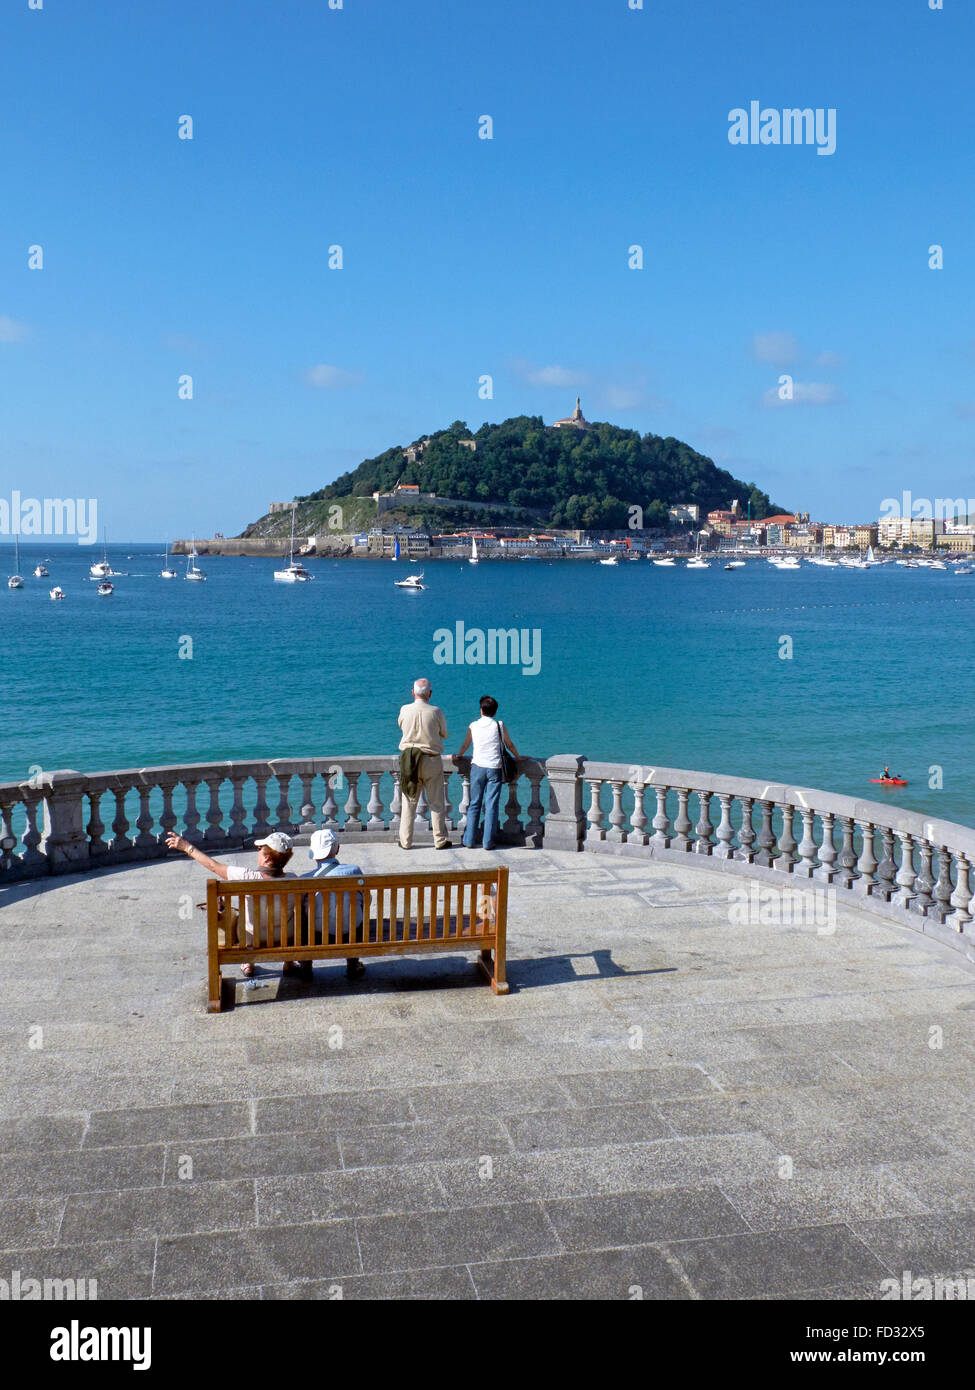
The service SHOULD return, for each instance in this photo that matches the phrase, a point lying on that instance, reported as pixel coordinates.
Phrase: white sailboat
(101, 569)
(16, 580)
(474, 556)
(166, 572)
(295, 573)
(192, 569)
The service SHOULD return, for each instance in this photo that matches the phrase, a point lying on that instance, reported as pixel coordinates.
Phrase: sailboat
(474, 556)
(295, 573)
(166, 572)
(192, 569)
(697, 563)
(101, 569)
(396, 549)
(16, 580)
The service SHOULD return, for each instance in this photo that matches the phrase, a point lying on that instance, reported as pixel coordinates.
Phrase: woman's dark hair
(489, 706)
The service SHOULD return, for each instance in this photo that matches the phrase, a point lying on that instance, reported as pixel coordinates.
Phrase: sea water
(638, 664)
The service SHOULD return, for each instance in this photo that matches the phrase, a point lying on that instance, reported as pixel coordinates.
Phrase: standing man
(420, 764)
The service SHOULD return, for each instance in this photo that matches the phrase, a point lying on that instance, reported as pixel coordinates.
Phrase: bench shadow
(391, 975)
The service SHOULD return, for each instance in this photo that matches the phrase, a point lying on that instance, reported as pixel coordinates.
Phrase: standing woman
(487, 779)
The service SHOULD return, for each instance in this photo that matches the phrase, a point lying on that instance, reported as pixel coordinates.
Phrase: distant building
(279, 507)
(685, 513)
(576, 420)
(401, 493)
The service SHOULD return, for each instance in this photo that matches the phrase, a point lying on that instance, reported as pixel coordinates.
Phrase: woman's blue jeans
(486, 787)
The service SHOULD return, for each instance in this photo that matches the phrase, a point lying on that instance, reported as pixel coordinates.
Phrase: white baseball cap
(322, 843)
(278, 841)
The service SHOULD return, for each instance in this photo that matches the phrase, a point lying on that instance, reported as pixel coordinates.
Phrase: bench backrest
(371, 909)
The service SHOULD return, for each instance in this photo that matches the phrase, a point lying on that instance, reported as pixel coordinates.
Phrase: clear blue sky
(464, 256)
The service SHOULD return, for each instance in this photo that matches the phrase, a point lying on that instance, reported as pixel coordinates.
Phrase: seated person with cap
(274, 853)
(325, 851)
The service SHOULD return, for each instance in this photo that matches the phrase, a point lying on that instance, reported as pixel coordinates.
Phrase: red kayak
(889, 781)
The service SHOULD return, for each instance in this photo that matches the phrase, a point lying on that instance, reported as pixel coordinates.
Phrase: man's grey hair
(421, 686)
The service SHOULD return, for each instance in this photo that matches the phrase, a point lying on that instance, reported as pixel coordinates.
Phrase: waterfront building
(685, 513)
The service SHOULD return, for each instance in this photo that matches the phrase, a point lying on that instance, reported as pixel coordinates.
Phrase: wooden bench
(372, 915)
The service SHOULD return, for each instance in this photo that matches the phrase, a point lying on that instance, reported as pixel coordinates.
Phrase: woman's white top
(486, 737)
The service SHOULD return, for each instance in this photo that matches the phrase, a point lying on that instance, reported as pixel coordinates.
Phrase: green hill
(563, 476)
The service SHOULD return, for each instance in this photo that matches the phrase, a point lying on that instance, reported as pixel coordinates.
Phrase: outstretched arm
(465, 744)
(204, 860)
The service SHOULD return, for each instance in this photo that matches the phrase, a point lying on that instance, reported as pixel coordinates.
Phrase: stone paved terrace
(614, 1165)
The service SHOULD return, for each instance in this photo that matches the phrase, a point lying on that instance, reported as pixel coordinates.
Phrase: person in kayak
(885, 775)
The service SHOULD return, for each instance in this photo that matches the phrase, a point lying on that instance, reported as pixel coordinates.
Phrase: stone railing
(893, 862)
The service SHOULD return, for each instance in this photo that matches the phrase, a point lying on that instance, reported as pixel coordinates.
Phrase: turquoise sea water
(639, 664)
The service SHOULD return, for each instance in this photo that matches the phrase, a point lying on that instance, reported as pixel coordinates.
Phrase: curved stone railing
(892, 861)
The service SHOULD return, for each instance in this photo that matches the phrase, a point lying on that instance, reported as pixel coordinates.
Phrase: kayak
(889, 781)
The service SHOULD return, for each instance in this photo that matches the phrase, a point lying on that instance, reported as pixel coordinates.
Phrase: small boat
(193, 571)
(667, 564)
(57, 592)
(785, 564)
(40, 572)
(101, 569)
(735, 565)
(613, 560)
(412, 581)
(474, 555)
(965, 569)
(937, 565)
(166, 572)
(697, 564)
(889, 781)
(295, 573)
(105, 588)
(16, 580)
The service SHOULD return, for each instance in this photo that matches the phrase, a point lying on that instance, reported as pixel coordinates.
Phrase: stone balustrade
(892, 861)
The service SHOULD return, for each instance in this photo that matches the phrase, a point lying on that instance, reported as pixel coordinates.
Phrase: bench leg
(493, 972)
(215, 987)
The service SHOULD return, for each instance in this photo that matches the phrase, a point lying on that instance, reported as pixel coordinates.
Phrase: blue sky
(464, 256)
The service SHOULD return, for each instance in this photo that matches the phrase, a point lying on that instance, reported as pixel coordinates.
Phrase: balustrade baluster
(766, 838)
(144, 822)
(95, 827)
(924, 883)
(32, 836)
(725, 849)
(395, 805)
(808, 849)
(120, 824)
(512, 828)
(191, 816)
(352, 806)
(238, 815)
(285, 822)
(638, 820)
(887, 868)
(661, 821)
(905, 875)
(214, 833)
(536, 823)
(617, 816)
(944, 887)
(375, 807)
(682, 824)
(595, 813)
(448, 805)
(261, 829)
(745, 853)
(960, 916)
(465, 801)
(307, 811)
(846, 859)
(786, 856)
(330, 806)
(867, 863)
(704, 829)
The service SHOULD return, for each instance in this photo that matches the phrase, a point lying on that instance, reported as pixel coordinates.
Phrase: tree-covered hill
(586, 479)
